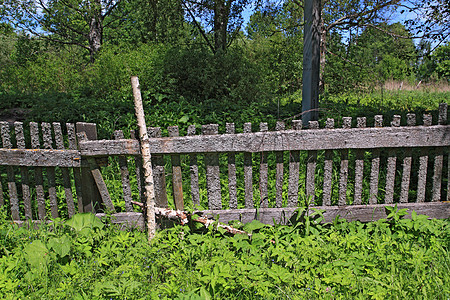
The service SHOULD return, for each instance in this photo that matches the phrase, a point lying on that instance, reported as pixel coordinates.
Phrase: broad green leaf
(84, 220)
(36, 254)
(60, 245)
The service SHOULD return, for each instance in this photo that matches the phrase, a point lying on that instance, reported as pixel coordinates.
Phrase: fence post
(90, 194)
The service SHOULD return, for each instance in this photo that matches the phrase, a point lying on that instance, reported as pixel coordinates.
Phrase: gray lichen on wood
(159, 173)
(26, 192)
(212, 171)
(193, 170)
(359, 166)
(406, 165)
(51, 177)
(279, 161)
(248, 172)
(328, 169)
(232, 187)
(375, 167)
(263, 172)
(177, 180)
(124, 175)
(311, 169)
(12, 188)
(391, 167)
(343, 171)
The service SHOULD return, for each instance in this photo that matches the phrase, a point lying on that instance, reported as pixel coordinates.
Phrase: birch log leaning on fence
(149, 188)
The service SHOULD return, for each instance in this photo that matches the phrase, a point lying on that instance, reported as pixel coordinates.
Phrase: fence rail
(55, 170)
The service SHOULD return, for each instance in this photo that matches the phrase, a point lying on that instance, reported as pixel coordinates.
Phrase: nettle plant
(402, 256)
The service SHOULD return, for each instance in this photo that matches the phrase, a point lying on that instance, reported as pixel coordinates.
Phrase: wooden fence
(348, 171)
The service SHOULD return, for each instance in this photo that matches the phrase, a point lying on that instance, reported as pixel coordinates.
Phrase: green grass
(83, 258)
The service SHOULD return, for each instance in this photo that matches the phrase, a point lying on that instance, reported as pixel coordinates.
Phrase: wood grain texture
(294, 175)
(442, 119)
(359, 166)
(279, 161)
(212, 171)
(12, 188)
(193, 171)
(38, 178)
(73, 145)
(101, 186)
(343, 171)
(406, 165)
(124, 175)
(311, 169)
(65, 171)
(26, 192)
(159, 173)
(287, 140)
(51, 176)
(437, 174)
(138, 168)
(125, 220)
(439, 158)
(248, 172)
(423, 164)
(40, 158)
(363, 213)
(375, 166)
(232, 183)
(91, 195)
(263, 173)
(177, 179)
(391, 168)
(327, 169)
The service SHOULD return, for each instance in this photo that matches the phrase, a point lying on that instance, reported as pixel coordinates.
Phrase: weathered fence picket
(13, 197)
(232, 187)
(125, 175)
(364, 154)
(327, 169)
(263, 173)
(159, 174)
(407, 162)
(65, 171)
(212, 171)
(193, 168)
(279, 177)
(311, 169)
(359, 166)
(294, 157)
(248, 172)
(343, 173)
(177, 180)
(26, 194)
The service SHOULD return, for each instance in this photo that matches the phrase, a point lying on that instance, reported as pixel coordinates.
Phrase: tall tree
(218, 21)
(145, 21)
(427, 19)
(346, 14)
(74, 22)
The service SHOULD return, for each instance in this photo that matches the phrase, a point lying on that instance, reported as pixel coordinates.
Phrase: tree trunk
(95, 29)
(311, 62)
(221, 15)
(323, 52)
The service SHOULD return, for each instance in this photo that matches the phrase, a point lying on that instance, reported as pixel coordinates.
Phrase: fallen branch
(183, 218)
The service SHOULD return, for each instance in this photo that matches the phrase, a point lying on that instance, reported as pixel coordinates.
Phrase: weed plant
(85, 258)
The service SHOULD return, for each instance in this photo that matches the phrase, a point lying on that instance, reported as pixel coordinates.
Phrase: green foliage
(397, 257)
(376, 55)
(442, 57)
